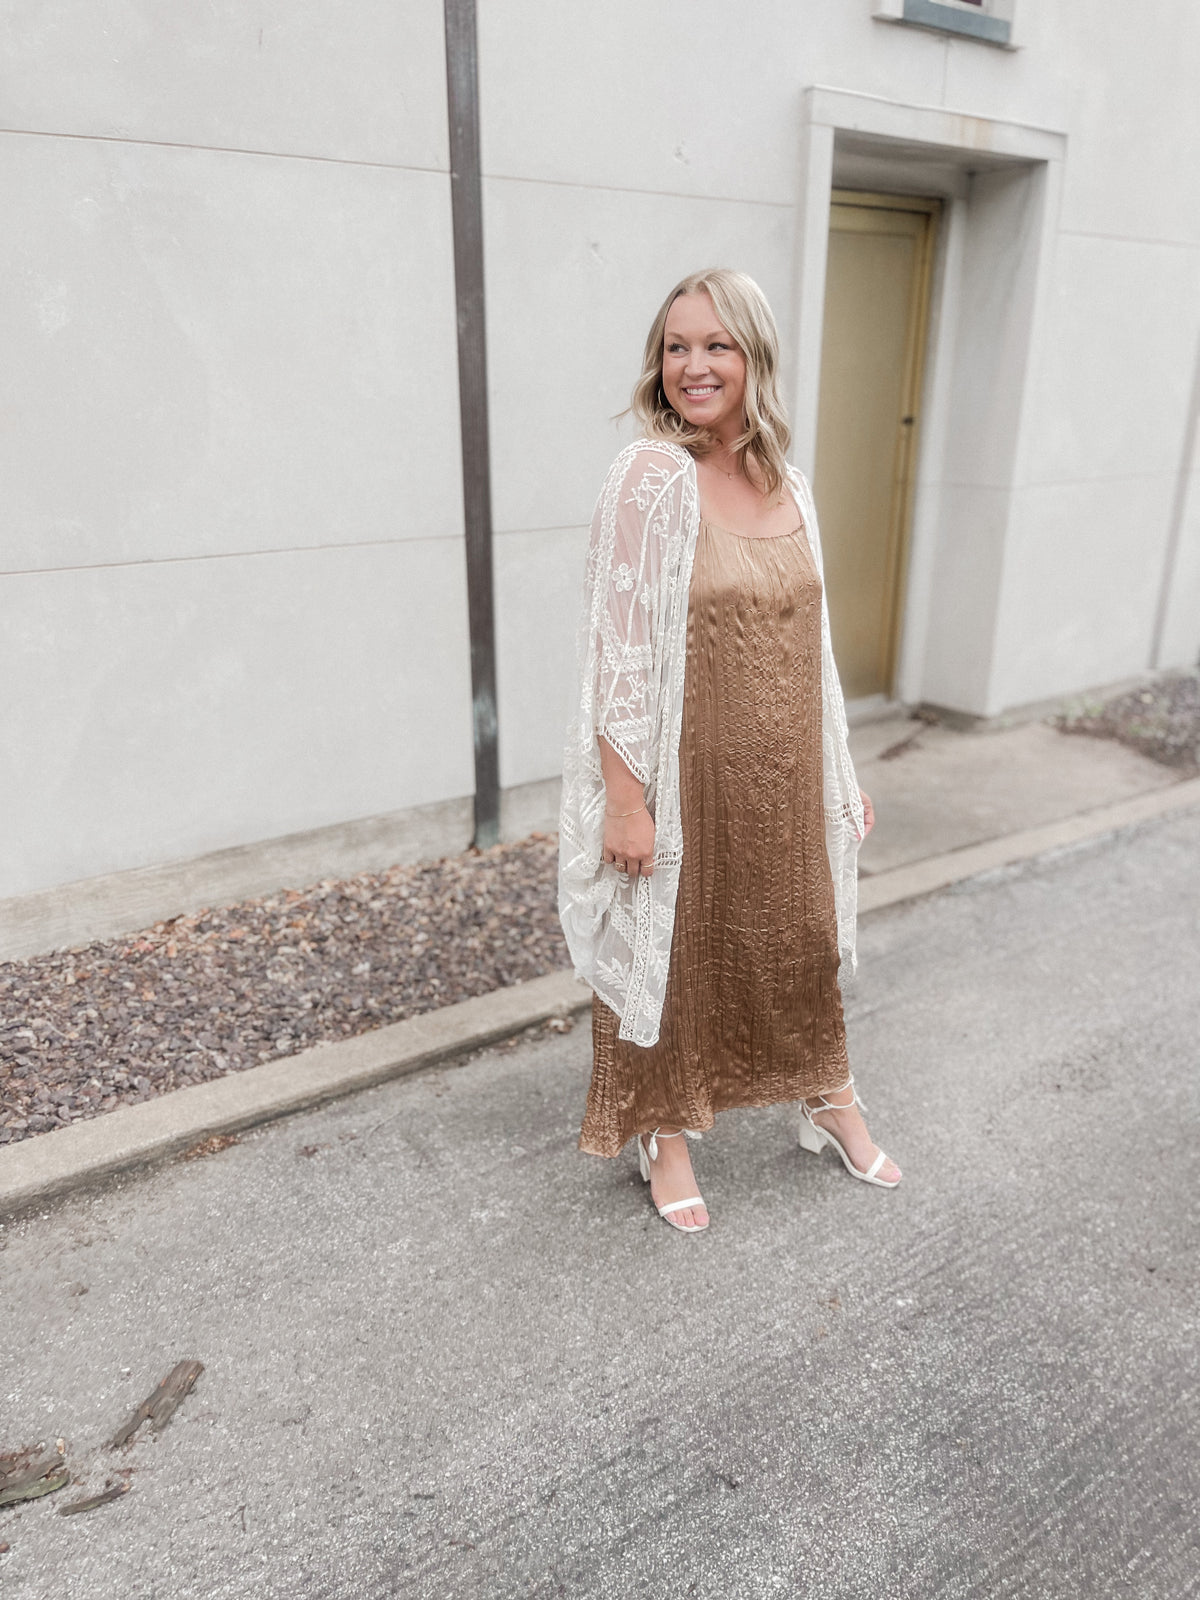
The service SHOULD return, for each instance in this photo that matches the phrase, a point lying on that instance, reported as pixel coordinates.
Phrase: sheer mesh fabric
(632, 659)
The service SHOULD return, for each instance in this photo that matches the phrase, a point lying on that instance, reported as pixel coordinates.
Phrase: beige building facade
(233, 605)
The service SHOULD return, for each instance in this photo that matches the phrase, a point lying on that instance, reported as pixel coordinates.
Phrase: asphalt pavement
(447, 1356)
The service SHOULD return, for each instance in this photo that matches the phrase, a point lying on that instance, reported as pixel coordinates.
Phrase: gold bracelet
(632, 813)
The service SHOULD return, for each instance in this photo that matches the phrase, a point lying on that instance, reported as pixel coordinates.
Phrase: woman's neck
(729, 462)
(724, 457)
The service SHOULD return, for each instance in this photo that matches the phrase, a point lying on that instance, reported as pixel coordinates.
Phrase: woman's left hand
(868, 812)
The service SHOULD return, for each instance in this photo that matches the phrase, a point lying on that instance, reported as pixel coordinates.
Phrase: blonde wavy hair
(746, 316)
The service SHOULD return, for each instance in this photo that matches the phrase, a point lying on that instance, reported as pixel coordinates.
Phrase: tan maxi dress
(753, 1012)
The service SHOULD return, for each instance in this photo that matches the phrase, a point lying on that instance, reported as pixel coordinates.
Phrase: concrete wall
(234, 592)
(1114, 365)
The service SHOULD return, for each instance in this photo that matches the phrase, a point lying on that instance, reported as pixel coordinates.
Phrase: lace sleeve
(632, 638)
(635, 515)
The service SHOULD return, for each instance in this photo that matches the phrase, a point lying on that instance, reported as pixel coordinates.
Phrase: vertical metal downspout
(466, 201)
(1170, 564)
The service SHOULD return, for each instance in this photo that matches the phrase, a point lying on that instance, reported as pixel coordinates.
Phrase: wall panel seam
(557, 527)
(1099, 477)
(225, 150)
(1129, 238)
(657, 194)
(234, 555)
(1049, 483)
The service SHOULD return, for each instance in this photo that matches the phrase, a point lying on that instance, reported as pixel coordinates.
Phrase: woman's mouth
(701, 391)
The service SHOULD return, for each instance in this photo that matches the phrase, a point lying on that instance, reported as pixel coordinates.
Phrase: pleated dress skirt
(753, 1011)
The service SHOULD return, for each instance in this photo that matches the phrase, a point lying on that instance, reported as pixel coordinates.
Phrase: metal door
(876, 310)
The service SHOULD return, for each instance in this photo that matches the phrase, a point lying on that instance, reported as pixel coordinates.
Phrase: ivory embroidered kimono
(632, 647)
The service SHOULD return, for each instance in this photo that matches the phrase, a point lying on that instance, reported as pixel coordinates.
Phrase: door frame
(990, 290)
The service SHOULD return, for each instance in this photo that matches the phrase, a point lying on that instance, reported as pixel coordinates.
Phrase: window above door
(989, 21)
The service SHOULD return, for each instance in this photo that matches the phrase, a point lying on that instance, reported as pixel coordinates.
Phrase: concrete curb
(38, 1169)
(939, 872)
(51, 1164)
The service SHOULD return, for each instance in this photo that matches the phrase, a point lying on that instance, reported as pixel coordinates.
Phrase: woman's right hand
(629, 843)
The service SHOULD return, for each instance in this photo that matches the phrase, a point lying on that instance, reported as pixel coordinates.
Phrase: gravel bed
(120, 1020)
(1161, 720)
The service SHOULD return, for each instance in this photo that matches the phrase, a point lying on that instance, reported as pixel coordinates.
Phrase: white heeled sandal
(814, 1137)
(645, 1157)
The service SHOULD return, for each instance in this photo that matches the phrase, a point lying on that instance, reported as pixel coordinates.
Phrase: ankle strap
(826, 1106)
(656, 1135)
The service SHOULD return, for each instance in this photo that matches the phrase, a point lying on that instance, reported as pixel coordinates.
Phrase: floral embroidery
(631, 662)
(650, 485)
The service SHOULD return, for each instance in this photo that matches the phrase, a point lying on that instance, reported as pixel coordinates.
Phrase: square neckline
(752, 538)
(762, 538)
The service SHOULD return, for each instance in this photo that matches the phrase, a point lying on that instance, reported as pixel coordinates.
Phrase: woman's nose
(697, 363)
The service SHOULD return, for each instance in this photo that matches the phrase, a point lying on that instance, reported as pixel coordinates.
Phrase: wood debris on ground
(211, 1147)
(160, 1405)
(31, 1473)
(34, 1471)
(104, 1498)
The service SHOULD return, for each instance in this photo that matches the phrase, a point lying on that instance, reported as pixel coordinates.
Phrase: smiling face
(703, 371)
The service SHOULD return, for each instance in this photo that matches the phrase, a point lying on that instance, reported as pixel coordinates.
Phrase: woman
(710, 819)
